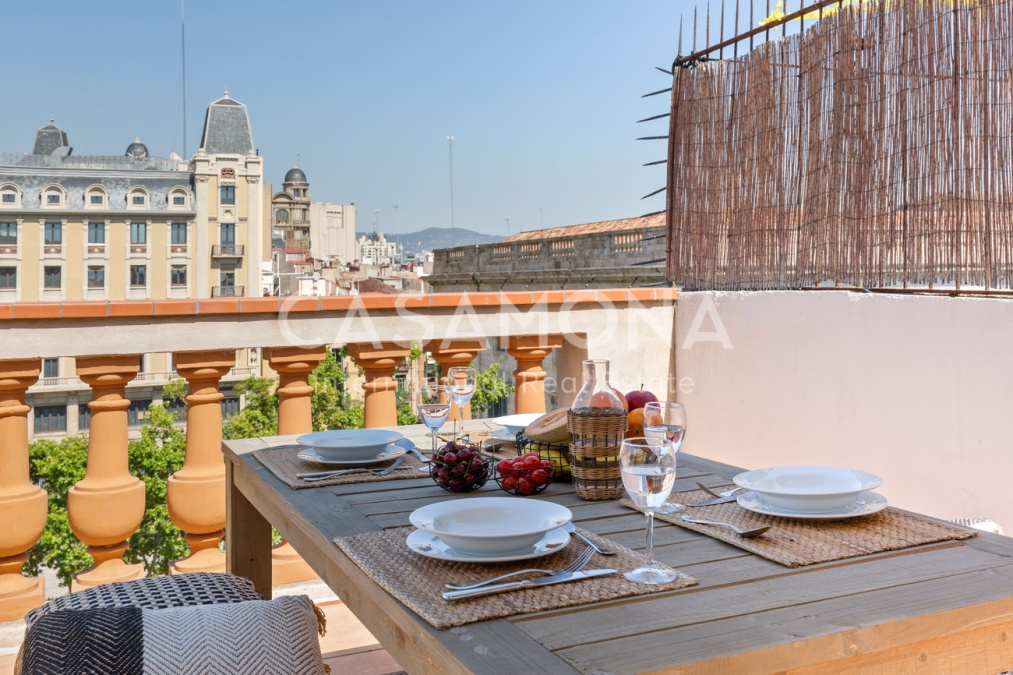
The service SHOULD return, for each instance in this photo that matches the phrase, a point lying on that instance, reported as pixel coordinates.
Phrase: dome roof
(137, 150)
(295, 175)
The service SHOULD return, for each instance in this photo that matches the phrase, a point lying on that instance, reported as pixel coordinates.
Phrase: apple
(639, 398)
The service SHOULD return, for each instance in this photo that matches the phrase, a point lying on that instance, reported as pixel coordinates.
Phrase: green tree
(260, 416)
(489, 388)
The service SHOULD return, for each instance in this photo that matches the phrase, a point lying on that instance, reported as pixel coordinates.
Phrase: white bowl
(349, 444)
(516, 423)
(490, 525)
(808, 489)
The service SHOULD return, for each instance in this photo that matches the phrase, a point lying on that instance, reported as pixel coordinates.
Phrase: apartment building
(132, 227)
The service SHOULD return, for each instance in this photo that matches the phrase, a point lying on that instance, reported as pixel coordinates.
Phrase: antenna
(450, 141)
(182, 38)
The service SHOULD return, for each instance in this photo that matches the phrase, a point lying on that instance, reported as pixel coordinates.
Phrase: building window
(178, 233)
(95, 199)
(54, 233)
(96, 233)
(177, 276)
(8, 277)
(52, 277)
(97, 277)
(83, 416)
(281, 216)
(137, 413)
(228, 194)
(230, 406)
(138, 275)
(8, 234)
(8, 198)
(227, 279)
(53, 198)
(50, 367)
(50, 418)
(138, 233)
(227, 234)
(178, 200)
(137, 200)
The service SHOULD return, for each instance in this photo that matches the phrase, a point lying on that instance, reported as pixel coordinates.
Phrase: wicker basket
(557, 453)
(596, 435)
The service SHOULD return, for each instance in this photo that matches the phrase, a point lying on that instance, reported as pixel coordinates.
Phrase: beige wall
(913, 388)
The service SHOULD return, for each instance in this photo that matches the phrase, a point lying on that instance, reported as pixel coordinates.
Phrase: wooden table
(944, 607)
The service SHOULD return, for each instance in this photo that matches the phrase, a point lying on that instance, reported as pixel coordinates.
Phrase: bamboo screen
(874, 149)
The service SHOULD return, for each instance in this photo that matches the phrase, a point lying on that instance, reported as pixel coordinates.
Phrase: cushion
(181, 590)
(277, 636)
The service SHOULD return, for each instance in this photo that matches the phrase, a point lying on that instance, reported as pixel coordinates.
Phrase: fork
(726, 493)
(578, 563)
(747, 534)
(323, 475)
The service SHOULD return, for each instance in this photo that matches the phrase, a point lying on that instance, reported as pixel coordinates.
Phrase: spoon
(755, 532)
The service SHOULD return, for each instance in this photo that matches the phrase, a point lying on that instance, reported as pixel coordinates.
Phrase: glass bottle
(596, 391)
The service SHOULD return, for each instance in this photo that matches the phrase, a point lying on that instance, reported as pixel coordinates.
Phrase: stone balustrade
(107, 505)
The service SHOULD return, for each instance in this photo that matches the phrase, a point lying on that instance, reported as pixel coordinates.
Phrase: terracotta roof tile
(641, 223)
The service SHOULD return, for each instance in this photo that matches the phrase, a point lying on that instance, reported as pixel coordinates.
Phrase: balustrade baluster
(379, 363)
(529, 351)
(107, 505)
(195, 495)
(295, 416)
(23, 506)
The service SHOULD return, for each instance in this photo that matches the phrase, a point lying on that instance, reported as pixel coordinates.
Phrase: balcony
(227, 291)
(228, 250)
(769, 378)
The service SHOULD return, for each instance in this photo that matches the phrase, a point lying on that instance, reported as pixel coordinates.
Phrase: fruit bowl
(524, 475)
(460, 467)
(557, 453)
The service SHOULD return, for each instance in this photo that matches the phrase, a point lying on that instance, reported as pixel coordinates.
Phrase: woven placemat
(283, 462)
(501, 449)
(796, 543)
(475, 437)
(417, 581)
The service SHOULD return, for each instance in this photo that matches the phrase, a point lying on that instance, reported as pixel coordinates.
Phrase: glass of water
(434, 406)
(664, 419)
(461, 381)
(647, 466)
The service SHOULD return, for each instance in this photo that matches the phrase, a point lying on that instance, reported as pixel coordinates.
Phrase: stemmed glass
(433, 408)
(461, 381)
(665, 419)
(647, 466)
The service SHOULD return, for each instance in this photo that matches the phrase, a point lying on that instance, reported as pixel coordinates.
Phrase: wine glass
(647, 466)
(433, 408)
(664, 419)
(461, 382)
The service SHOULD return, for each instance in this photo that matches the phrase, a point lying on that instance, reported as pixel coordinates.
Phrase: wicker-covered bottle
(597, 422)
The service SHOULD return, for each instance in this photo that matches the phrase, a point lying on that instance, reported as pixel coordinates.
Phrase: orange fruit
(635, 423)
(602, 399)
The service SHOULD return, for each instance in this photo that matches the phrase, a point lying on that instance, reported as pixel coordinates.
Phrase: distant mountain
(433, 238)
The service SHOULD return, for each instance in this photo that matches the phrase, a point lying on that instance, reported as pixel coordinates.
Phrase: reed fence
(873, 149)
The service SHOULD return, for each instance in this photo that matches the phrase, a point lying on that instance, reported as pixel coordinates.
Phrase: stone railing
(632, 328)
(599, 260)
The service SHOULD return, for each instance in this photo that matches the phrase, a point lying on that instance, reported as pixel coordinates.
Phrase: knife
(527, 583)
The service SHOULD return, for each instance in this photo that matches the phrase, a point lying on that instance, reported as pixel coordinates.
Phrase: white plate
(490, 526)
(428, 544)
(863, 505)
(515, 423)
(503, 435)
(390, 452)
(349, 444)
(810, 489)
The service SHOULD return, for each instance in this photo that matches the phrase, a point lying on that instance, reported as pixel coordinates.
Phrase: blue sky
(541, 97)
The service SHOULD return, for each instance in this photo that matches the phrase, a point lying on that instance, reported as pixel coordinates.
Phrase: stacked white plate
(489, 529)
(813, 492)
(348, 445)
(513, 424)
